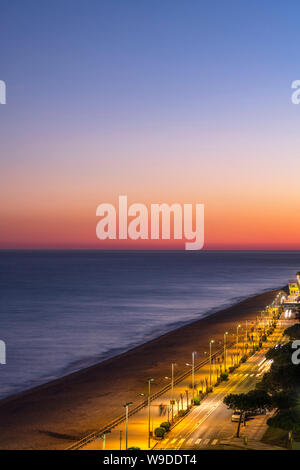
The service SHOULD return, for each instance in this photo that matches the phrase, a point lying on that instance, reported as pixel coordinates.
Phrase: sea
(61, 311)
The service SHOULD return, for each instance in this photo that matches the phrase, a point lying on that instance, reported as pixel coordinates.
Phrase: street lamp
(225, 352)
(172, 380)
(149, 402)
(210, 343)
(126, 406)
(172, 387)
(187, 399)
(193, 372)
(237, 337)
(103, 437)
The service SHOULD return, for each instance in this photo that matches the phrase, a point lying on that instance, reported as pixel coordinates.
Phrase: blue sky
(149, 55)
(143, 91)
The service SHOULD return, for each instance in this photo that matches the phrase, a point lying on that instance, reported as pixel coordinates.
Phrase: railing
(94, 435)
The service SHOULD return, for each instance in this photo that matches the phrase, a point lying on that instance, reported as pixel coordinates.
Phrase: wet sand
(56, 414)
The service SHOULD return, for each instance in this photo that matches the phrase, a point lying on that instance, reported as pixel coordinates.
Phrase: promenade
(208, 424)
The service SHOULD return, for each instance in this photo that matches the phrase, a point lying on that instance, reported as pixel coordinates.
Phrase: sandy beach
(58, 413)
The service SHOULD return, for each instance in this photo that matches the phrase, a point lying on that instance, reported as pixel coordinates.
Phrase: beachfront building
(294, 287)
(292, 303)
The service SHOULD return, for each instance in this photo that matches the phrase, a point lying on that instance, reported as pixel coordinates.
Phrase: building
(294, 287)
(292, 303)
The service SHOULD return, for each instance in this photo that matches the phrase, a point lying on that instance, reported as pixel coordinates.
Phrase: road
(208, 425)
(205, 425)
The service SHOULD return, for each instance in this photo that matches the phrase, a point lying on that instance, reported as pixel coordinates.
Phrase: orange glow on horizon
(247, 213)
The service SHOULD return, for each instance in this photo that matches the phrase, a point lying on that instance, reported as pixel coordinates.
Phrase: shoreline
(111, 353)
(55, 414)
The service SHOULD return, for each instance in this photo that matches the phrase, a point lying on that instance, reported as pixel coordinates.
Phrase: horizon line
(151, 249)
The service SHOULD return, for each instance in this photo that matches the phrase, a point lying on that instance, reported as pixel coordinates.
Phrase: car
(236, 416)
(257, 412)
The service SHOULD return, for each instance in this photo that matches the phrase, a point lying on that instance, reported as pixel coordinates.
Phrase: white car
(236, 416)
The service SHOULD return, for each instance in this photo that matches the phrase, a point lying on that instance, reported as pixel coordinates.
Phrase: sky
(162, 101)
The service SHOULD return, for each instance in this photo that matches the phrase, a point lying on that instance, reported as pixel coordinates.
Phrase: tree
(166, 425)
(235, 402)
(280, 378)
(283, 375)
(246, 402)
(159, 432)
(259, 399)
(280, 354)
(287, 419)
(224, 376)
(285, 400)
(293, 332)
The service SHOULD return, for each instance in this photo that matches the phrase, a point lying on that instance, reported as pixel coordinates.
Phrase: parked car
(258, 411)
(236, 415)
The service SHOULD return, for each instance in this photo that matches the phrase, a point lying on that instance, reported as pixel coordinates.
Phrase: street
(205, 426)
(210, 424)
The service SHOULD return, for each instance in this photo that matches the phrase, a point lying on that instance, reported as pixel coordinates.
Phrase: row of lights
(192, 365)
